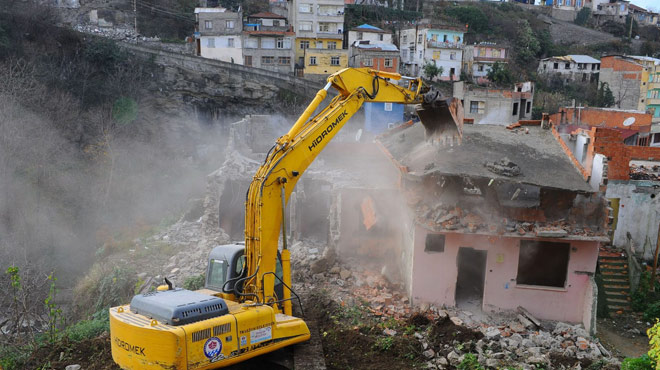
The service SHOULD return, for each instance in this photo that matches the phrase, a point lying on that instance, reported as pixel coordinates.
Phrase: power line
(163, 11)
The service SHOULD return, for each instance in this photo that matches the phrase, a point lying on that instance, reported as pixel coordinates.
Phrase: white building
(218, 34)
(577, 68)
(440, 45)
(367, 32)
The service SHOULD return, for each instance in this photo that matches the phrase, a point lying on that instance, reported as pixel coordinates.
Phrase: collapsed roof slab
(541, 159)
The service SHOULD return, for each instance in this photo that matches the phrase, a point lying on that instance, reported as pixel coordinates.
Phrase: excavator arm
(273, 183)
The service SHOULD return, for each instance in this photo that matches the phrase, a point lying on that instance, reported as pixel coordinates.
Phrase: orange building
(383, 57)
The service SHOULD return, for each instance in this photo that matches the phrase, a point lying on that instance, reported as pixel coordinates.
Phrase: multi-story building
(372, 47)
(440, 45)
(268, 42)
(643, 16)
(634, 81)
(568, 4)
(484, 105)
(319, 28)
(478, 59)
(367, 32)
(218, 34)
(570, 68)
(383, 57)
(610, 10)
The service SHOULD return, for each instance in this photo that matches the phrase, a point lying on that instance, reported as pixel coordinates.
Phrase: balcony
(260, 27)
(444, 45)
(330, 34)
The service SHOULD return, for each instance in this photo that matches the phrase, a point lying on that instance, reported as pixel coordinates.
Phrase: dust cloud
(63, 199)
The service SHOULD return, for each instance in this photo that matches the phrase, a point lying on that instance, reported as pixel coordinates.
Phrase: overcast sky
(654, 4)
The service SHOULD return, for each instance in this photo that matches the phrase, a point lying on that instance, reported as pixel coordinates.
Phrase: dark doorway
(471, 274)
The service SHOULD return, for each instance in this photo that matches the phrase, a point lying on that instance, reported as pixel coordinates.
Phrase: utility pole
(655, 261)
(632, 19)
(135, 16)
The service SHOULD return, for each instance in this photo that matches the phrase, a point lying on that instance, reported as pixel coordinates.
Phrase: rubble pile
(129, 35)
(641, 172)
(441, 217)
(119, 34)
(517, 344)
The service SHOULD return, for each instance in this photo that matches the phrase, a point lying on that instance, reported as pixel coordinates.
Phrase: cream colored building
(218, 34)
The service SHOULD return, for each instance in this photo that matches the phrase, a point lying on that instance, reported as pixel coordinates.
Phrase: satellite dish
(629, 121)
(358, 135)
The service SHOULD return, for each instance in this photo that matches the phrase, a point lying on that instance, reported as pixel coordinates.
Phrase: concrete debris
(503, 167)
(641, 172)
(389, 332)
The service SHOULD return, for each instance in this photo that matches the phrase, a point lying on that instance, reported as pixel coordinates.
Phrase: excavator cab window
(217, 273)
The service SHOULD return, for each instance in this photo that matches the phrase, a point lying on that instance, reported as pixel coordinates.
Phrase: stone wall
(227, 88)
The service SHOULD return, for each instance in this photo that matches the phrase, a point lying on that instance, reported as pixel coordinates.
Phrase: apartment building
(268, 42)
(218, 34)
(319, 28)
(479, 59)
(634, 81)
(440, 45)
(372, 47)
(570, 68)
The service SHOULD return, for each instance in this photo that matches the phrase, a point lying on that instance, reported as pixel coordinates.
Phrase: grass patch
(88, 329)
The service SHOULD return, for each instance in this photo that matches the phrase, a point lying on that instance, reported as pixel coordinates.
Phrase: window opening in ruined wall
(435, 243)
(543, 263)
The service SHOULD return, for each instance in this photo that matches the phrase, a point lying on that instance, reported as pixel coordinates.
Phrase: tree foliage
(583, 16)
(604, 97)
(527, 46)
(500, 74)
(654, 343)
(431, 70)
(474, 17)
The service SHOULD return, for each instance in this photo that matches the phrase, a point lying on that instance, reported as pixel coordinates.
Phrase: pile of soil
(444, 331)
(568, 362)
(361, 346)
(89, 354)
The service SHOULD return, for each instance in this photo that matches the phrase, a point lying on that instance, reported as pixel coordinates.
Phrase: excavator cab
(226, 273)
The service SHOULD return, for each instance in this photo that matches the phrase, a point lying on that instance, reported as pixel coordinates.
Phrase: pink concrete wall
(434, 277)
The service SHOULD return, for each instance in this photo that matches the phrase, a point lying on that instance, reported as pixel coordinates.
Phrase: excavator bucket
(442, 118)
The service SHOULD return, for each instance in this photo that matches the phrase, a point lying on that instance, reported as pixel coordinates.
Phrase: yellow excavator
(245, 308)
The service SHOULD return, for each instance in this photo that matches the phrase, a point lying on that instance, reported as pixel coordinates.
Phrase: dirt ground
(625, 336)
(354, 339)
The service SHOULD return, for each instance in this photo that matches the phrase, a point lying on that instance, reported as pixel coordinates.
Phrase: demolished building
(505, 220)
(494, 105)
(626, 174)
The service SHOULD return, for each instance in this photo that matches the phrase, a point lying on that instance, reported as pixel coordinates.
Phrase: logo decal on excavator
(129, 347)
(212, 347)
(327, 130)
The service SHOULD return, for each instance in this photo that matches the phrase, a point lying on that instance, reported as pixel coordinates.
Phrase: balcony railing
(444, 45)
(260, 27)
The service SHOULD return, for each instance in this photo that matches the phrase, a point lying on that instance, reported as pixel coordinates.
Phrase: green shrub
(583, 16)
(470, 362)
(474, 17)
(194, 282)
(638, 363)
(103, 287)
(384, 343)
(13, 358)
(652, 311)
